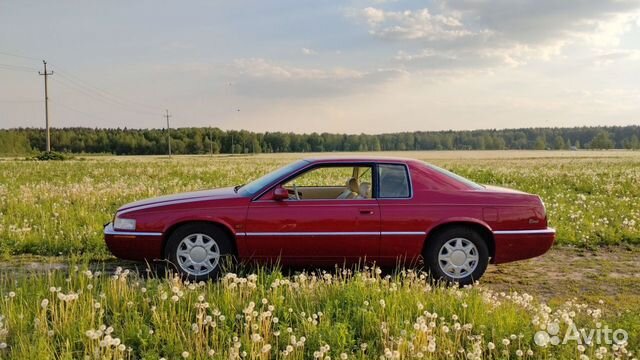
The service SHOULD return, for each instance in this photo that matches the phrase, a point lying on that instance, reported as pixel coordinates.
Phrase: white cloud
(261, 68)
(468, 33)
(308, 51)
(264, 78)
(408, 24)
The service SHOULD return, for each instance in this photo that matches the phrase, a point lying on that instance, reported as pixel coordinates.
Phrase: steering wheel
(295, 192)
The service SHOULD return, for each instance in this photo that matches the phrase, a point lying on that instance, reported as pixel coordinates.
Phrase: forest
(200, 140)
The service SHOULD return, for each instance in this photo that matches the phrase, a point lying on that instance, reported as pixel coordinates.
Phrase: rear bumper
(133, 245)
(512, 245)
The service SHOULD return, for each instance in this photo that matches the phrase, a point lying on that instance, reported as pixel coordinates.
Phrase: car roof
(351, 158)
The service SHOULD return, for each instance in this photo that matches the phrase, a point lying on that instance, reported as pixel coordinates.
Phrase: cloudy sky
(349, 66)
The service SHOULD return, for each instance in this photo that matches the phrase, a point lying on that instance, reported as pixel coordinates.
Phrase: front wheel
(457, 255)
(198, 250)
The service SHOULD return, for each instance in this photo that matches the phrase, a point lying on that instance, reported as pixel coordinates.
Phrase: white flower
(491, 346)
(185, 354)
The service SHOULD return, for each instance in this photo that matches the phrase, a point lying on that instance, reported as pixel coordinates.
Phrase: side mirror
(280, 193)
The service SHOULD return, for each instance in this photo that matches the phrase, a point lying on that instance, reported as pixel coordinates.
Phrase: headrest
(365, 190)
(352, 185)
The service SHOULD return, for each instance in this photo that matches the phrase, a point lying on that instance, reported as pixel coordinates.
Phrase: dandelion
(185, 354)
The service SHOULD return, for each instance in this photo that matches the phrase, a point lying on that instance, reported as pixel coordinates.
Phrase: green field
(64, 311)
(58, 208)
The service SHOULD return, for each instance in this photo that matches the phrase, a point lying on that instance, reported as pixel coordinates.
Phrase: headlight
(124, 224)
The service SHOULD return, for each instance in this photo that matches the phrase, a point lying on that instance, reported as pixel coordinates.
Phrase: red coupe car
(324, 211)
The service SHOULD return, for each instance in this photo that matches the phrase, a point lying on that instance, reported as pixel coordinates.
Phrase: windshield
(456, 177)
(259, 184)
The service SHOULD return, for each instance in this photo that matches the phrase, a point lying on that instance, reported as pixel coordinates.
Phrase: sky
(321, 66)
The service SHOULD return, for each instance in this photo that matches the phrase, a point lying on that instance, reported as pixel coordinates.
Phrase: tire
(198, 250)
(457, 255)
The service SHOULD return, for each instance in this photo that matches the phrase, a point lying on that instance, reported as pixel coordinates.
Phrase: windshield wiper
(237, 187)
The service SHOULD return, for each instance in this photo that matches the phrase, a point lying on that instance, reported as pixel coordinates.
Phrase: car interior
(332, 182)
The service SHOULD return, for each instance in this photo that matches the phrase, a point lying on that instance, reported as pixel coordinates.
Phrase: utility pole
(46, 103)
(210, 142)
(168, 131)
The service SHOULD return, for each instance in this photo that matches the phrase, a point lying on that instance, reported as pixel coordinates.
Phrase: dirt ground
(608, 274)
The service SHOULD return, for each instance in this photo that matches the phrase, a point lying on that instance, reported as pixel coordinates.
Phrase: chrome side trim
(108, 230)
(525, 232)
(311, 233)
(331, 233)
(391, 233)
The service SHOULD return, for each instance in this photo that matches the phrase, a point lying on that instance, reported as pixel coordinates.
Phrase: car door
(313, 231)
(402, 228)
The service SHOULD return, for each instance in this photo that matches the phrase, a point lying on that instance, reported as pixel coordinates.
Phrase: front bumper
(512, 245)
(133, 245)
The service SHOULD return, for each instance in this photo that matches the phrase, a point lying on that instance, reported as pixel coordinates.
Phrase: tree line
(198, 140)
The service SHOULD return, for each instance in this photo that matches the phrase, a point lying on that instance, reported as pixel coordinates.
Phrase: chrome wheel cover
(458, 258)
(198, 254)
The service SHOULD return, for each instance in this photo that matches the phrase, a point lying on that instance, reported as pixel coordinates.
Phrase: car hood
(213, 194)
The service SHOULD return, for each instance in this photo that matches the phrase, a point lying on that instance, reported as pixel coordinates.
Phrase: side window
(394, 181)
(331, 183)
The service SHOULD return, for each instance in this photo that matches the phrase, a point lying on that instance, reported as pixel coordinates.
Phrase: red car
(327, 211)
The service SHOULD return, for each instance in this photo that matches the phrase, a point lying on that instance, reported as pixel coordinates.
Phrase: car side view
(325, 211)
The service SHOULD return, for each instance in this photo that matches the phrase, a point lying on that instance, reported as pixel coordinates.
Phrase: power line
(18, 67)
(168, 131)
(18, 56)
(82, 90)
(20, 101)
(103, 92)
(94, 116)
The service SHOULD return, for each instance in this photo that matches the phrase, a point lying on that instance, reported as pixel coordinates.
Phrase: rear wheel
(198, 250)
(457, 254)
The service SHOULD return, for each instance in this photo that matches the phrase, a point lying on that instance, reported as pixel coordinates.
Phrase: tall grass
(59, 208)
(83, 314)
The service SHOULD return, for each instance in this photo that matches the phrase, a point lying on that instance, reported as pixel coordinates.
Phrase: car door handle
(366, 211)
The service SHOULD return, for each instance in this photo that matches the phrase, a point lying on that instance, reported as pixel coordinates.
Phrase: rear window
(394, 181)
(457, 177)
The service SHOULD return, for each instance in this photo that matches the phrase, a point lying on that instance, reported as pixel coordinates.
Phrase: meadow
(85, 314)
(58, 208)
(83, 310)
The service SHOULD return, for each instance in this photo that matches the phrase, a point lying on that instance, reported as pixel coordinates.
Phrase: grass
(364, 314)
(62, 311)
(58, 208)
